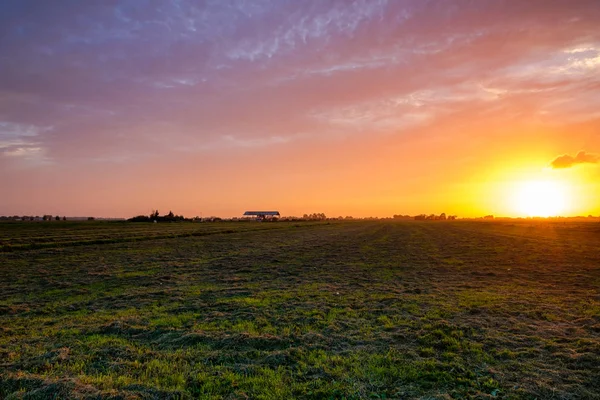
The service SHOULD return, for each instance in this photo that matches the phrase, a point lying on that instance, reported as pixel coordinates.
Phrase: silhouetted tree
(154, 216)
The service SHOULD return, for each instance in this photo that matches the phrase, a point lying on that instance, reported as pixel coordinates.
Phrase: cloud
(568, 161)
(21, 140)
(113, 75)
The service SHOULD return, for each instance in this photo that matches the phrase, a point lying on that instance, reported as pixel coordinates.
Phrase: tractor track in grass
(35, 242)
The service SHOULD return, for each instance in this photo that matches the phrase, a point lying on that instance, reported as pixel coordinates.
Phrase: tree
(57, 218)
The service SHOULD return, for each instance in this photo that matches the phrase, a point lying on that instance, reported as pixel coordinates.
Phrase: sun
(540, 199)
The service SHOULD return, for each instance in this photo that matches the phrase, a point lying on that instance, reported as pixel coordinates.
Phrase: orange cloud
(568, 161)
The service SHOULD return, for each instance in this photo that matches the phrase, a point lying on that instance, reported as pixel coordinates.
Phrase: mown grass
(17, 236)
(273, 311)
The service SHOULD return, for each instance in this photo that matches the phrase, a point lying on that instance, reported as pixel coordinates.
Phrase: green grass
(347, 310)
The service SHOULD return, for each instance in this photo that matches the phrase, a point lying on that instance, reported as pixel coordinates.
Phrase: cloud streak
(568, 161)
(261, 69)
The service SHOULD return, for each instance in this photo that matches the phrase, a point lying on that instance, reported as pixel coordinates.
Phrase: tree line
(433, 217)
(156, 217)
(46, 217)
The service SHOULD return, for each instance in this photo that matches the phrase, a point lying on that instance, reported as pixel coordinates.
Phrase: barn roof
(261, 213)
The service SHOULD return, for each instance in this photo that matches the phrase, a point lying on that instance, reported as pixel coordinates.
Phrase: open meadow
(300, 310)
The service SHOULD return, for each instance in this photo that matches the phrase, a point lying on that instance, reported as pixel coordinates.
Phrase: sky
(363, 108)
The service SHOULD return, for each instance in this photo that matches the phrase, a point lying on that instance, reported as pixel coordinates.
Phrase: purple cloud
(109, 74)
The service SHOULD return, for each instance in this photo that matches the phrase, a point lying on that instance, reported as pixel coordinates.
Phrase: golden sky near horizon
(362, 108)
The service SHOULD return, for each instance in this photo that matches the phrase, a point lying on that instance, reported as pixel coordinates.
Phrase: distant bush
(140, 218)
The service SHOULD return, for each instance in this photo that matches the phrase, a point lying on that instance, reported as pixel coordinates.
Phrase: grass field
(300, 310)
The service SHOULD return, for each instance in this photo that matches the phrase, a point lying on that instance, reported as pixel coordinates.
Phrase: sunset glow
(541, 199)
(362, 108)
